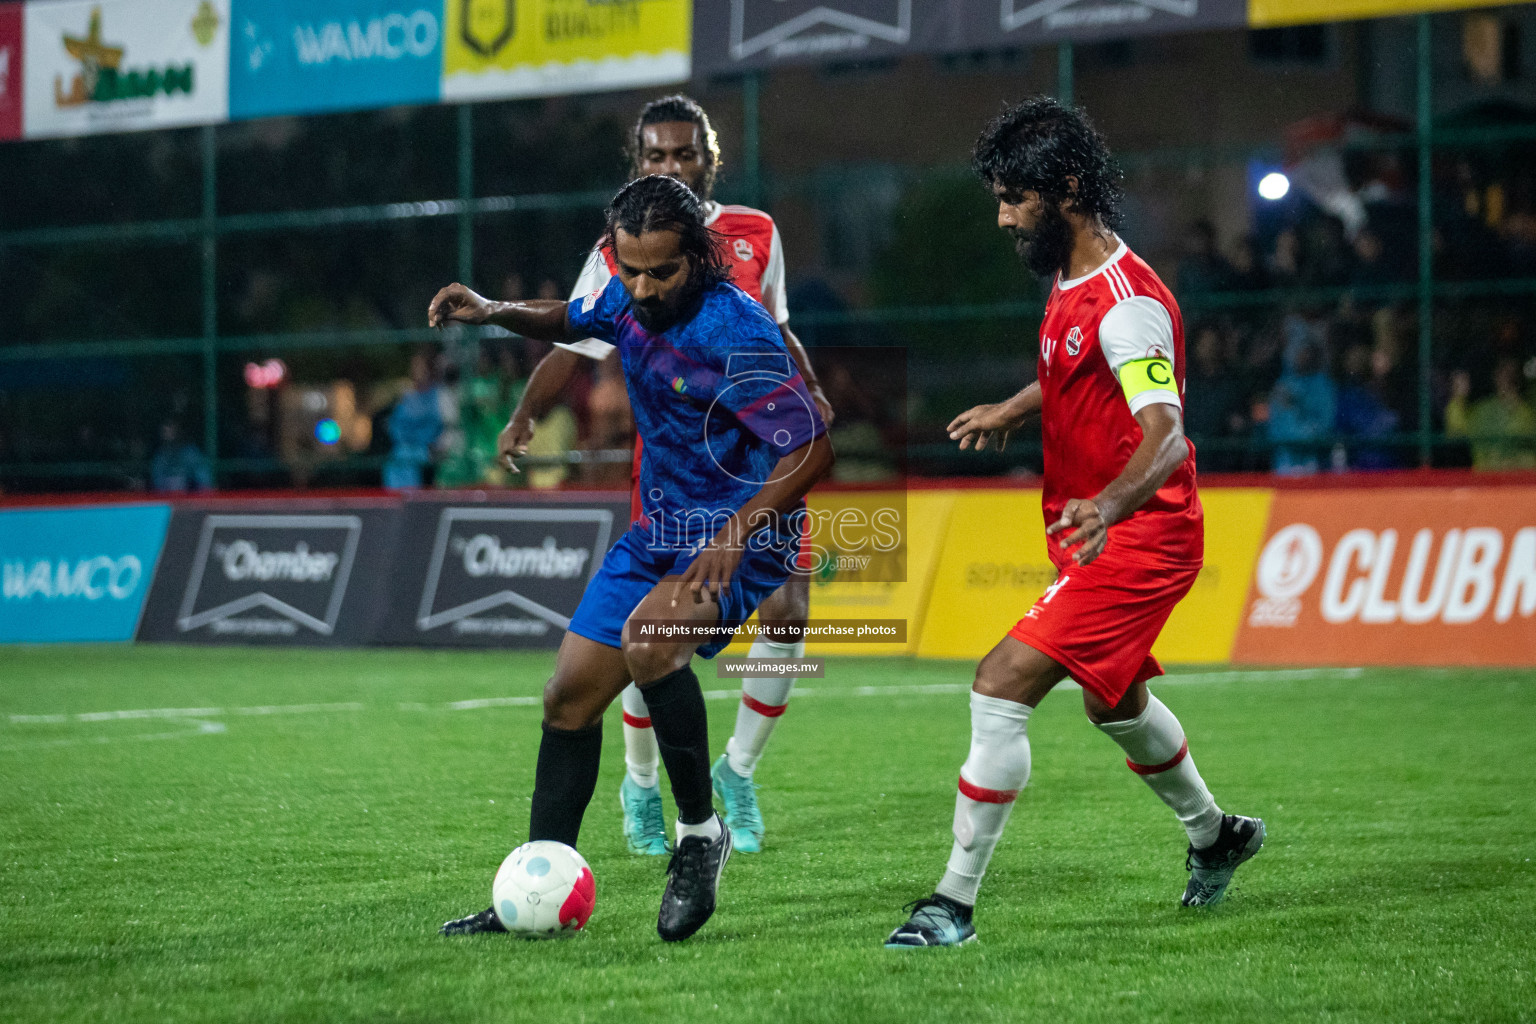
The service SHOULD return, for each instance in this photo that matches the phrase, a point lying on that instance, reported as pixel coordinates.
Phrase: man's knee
(567, 706)
(788, 607)
(1100, 710)
(649, 661)
(1017, 672)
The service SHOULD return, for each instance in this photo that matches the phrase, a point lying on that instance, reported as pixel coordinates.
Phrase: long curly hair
(659, 203)
(1036, 145)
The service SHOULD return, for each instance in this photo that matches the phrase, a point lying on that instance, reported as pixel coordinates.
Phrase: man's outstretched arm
(540, 319)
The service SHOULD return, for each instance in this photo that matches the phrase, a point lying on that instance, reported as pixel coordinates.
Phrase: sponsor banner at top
(504, 48)
(11, 53)
(1418, 576)
(123, 65)
(299, 56)
(742, 34)
(77, 574)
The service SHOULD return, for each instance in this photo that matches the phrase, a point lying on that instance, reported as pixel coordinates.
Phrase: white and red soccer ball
(543, 889)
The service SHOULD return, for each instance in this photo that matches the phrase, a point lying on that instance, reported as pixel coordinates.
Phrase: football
(543, 890)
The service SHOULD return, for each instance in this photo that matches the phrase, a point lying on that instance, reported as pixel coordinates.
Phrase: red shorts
(1099, 621)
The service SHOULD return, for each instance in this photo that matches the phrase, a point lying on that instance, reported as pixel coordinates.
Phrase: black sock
(676, 704)
(564, 781)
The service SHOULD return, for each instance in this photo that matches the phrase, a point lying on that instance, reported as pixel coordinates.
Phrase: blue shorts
(631, 570)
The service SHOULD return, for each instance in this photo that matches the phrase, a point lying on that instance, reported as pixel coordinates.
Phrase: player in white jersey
(673, 136)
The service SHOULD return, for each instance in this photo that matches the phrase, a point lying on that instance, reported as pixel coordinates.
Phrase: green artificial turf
(293, 863)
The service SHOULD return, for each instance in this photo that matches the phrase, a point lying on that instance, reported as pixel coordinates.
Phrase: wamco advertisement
(77, 574)
(298, 56)
(122, 65)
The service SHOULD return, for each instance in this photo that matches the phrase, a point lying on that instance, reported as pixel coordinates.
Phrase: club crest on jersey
(743, 249)
(1074, 341)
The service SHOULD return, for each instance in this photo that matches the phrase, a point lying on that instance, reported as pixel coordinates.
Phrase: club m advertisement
(484, 575)
(299, 56)
(288, 577)
(1410, 576)
(124, 65)
(73, 575)
(494, 49)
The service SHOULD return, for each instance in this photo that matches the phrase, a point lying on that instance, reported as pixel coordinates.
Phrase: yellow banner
(1268, 13)
(993, 568)
(845, 589)
(502, 48)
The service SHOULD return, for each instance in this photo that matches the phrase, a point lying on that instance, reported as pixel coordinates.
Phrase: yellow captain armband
(1142, 375)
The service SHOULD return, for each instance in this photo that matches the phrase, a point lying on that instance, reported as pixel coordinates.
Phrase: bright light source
(327, 431)
(1274, 185)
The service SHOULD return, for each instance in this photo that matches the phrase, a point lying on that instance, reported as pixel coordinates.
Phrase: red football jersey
(1089, 429)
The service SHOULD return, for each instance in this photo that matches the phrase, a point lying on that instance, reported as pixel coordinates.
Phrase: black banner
(740, 35)
(315, 574)
(496, 575)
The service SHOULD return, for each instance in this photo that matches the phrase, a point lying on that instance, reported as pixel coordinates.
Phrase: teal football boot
(645, 827)
(742, 816)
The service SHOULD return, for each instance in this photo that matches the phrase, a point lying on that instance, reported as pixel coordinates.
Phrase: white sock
(641, 755)
(763, 699)
(1156, 750)
(709, 828)
(990, 780)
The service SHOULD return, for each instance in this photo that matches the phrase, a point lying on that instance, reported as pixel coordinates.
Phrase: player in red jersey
(673, 136)
(1123, 518)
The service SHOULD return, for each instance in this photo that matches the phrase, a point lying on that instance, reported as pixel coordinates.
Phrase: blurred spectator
(414, 427)
(1201, 268)
(1284, 264)
(1301, 411)
(1247, 269)
(1215, 398)
(178, 465)
(1370, 267)
(1362, 412)
(1502, 427)
(486, 400)
(612, 423)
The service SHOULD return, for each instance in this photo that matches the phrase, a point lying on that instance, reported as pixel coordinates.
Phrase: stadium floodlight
(1274, 186)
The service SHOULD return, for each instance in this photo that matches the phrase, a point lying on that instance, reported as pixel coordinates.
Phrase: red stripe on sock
(766, 710)
(638, 723)
(987, 796)
(1153, 769)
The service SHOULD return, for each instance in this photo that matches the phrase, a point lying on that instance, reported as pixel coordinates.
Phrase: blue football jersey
(717, 400)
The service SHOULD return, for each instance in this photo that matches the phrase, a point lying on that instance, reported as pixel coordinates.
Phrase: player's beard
(659, 315)
(1046, 249)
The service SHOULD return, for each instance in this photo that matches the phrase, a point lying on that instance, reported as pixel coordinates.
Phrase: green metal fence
(467, 209)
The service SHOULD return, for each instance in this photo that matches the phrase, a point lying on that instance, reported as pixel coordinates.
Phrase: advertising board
(495, 49)
(250, 575)
(123, 65)
(495, 575)
(298, 57)
(1401, 576)
(77, 574)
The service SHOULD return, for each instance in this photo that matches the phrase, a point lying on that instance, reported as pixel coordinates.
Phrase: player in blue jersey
(733, 442)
